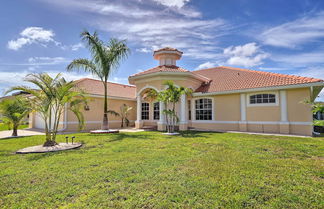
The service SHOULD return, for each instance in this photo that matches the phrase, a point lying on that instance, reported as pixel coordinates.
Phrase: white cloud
(314, 72)
(144, 50)
(300, 59)
(247, 55)
(292, 34)
(172, 3)
(39, 35)
(32, 35)
(7, 82)
(76, 47)
(47, 60)
(119, 80)
(146, 24)
(206, 65)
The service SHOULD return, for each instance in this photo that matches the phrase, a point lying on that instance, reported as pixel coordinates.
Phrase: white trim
(193, 114)
(91, 122)
(252, 122)
(283, 106)
(187, 73)
(112, 97)
(262, 104)
(200, 94)
(146, 87)
(215, 121)
(243, 107)
(183, 109)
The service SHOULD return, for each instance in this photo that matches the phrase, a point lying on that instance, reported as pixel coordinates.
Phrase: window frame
(249, 104)
(193, 114)
(148, 111)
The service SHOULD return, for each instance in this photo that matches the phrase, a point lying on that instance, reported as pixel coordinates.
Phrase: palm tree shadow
(196, 134)
(39, 156)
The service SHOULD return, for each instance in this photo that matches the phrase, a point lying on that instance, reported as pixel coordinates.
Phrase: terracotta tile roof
(229, 78)
(163, 68)
(92, 86)
(168, 49)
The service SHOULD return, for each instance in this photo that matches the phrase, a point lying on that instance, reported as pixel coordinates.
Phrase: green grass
(150, 170)
(4, 127)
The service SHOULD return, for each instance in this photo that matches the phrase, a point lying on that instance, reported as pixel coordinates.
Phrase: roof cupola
(167, 56)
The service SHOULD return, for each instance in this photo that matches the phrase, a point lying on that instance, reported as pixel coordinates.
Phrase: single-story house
(224, 99)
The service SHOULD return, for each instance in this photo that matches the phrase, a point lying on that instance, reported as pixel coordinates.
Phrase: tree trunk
(105, 125)
(14, 130)
(122, 122)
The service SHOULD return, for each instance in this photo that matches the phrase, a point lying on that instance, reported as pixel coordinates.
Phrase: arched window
(263, 99)
(204, 109)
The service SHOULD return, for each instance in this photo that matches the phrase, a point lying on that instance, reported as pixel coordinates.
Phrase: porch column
(183, 116)
(243, 123)
(284, 123)
(139, 122)
(161, 123)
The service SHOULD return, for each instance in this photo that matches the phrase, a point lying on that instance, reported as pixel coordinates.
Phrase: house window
(145, 111)
(156, 113)
(263, 99)
(204, 109)
(189, 110)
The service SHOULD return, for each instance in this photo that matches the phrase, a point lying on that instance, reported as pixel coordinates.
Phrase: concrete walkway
(21, 132)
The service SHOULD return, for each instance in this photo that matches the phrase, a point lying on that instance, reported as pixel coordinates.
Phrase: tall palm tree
(14, 111)
(105, 58)
(50, 99)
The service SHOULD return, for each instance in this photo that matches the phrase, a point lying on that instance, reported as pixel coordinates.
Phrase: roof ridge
(159, 66)
(82, 79)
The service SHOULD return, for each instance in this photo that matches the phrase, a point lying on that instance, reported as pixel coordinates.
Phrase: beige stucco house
(224, 99)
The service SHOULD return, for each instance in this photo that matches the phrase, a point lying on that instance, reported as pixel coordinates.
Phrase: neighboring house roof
(161, 68)
(229, 78)
(92, 86)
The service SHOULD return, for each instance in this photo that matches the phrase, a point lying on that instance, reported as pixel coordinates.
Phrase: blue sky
(282, 36)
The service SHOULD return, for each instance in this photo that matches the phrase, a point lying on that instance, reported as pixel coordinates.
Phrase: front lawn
(150, 170)
(4, 127)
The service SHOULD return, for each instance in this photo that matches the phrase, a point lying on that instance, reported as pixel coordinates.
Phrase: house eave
(189, 74)
(200, 94)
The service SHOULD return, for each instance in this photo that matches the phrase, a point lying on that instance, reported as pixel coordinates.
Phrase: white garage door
(39, 121)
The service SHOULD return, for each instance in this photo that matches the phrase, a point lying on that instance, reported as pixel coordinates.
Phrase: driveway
(21, 132)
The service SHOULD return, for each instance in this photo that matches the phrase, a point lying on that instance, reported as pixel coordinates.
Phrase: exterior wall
(262, 119)
(297, 110)
(93, 117)
(227, 107)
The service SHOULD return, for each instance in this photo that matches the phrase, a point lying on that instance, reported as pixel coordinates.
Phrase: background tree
(105, 58)
(14, 111)
(50, 100)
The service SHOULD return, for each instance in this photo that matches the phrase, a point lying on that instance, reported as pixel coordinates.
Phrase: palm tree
(50, 100)
(170, 97)
(105, 59)
(14, 111)
(124, 113)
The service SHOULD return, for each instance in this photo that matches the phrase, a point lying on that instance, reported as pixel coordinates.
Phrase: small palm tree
(105, 59)
(50, 100)
(124, 113)
(170, 97)
(14, 111)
